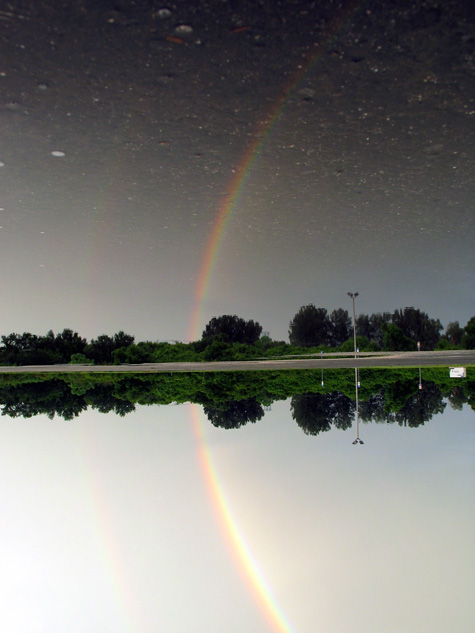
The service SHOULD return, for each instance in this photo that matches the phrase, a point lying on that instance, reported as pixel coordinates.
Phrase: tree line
(401, 330)
(65, 347)
(229, 337)
(233, 399)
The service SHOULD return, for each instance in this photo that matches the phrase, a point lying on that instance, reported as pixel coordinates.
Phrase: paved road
(393, 359)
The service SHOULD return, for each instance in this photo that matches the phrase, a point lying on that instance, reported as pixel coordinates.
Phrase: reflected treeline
(418, 408)
(318, 412)
(232, 415)
(55, 398)
(233, 399)
(315, 413)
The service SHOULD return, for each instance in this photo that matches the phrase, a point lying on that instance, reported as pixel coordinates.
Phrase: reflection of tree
(34, 399)
(343, 411)
(373, 409)
(456, 398)
(103, 400)
(397, 404)
(385, 396)
(315, 413)
(234, 414)
(56, 398)
(421, 407)
(408, 406)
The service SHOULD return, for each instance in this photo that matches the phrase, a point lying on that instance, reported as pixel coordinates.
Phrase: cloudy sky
(163, 164)
(112, 525)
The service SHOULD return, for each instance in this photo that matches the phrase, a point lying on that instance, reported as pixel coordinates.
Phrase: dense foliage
(232, 329)
(311, 331)
(402, 330)
(231, 399)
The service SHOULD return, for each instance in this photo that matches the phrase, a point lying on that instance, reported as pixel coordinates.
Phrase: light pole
(420, 377)
(353, 296)
(358, 440)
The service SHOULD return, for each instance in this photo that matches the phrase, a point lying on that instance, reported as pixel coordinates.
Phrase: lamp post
(358, 440)
(353, 296)
(420, 376)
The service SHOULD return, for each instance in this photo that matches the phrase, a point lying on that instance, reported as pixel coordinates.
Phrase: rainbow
(108, 545)
(242, 554)
(245, 561)
(251, 155)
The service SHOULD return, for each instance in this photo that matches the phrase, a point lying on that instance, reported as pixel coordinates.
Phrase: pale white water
(107, 525)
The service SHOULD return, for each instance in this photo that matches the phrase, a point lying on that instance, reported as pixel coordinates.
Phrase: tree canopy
(229, 337)
(232, 329)
(468, 339)
(340, 327)
(417, 326)
(310, 327)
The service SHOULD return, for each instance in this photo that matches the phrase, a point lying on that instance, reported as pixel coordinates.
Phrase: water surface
(117, 524)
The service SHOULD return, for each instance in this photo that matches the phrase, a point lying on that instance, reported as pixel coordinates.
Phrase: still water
(160, 521)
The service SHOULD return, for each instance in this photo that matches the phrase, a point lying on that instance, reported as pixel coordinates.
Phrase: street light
(353, 296)
(358, 440)
(420, 377)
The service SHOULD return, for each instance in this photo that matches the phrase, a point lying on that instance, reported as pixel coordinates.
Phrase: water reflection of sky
(107, 525)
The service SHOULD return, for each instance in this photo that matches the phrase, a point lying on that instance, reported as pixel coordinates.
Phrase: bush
(362, 343)
(80, 359)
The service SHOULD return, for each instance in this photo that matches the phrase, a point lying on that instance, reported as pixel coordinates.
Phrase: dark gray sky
(365, 182)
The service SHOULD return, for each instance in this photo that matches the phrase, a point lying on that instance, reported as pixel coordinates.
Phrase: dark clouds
(366, 181)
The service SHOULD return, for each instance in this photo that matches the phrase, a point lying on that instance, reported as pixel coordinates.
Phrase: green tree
(363, 326)
(29, 349)
(68, 343)
(340, 327)
(100, 350)
(232, 329)
(417, 326)
(80, 359)
(133, 354)
(310, 327)
(217, 349)
(121, 339)
(372, 326)
(454, 333)
(394, 339)
(468, 339)
(362, 344)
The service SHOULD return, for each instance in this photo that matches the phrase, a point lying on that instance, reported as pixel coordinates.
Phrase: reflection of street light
(420, 376)
(353, 296)
(357, 441)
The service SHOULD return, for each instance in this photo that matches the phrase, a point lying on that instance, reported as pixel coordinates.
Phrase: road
(453, 358)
